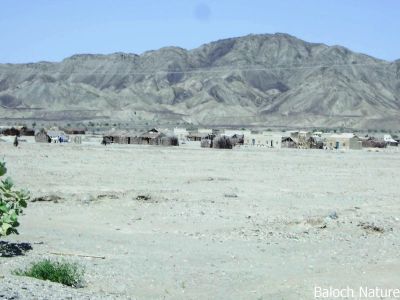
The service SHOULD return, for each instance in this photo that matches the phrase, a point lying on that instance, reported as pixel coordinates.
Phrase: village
(217, 138)
(149, 220)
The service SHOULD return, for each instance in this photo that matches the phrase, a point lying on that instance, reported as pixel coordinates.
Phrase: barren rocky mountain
(261, 80)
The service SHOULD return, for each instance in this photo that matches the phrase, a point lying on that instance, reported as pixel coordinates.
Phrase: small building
(265, 139)
(288, 142)
(50, 136)
(151, 137)
(181, 133)
(343, 141)
(197, 136)
(115, 136)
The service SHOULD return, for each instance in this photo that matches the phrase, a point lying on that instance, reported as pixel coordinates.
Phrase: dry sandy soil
(218, 224)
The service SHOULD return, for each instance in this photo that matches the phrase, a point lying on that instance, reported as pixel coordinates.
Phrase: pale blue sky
(34, 30)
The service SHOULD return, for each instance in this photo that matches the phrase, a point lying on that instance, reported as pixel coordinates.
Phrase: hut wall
(77, 139)
(205, 143)
(42, 137)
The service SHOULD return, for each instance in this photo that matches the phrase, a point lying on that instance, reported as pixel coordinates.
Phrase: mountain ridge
(254, 80)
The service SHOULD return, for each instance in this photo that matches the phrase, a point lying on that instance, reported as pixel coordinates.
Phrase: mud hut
(116, 137)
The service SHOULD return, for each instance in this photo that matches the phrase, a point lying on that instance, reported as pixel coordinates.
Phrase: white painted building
(265, 139)
(181, 133)
(343, 141)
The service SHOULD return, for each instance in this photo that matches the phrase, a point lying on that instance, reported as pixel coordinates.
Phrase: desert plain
(150, 222)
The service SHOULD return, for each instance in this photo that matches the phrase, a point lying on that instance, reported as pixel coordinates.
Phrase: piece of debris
(230, 195)
(333, 215)
(75, 254)
(108, 196)
(371, 227)
(143, 197)
(47, 198)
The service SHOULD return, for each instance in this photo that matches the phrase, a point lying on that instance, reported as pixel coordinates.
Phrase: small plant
(66, 273)
(11, 204)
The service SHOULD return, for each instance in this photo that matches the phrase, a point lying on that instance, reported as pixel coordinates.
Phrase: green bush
(11, 204)
(66, 273)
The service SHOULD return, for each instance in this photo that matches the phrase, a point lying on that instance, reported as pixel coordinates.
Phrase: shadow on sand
(8, 249)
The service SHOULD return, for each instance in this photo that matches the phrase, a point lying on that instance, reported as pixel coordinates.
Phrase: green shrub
(66, 273)
(11, 204)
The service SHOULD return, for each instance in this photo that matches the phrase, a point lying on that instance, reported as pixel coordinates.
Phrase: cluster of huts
(213, 138)
(151, 137)
(291, 139)
(55, 135)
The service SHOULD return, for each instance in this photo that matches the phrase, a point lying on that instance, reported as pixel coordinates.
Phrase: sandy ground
(219, 224)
